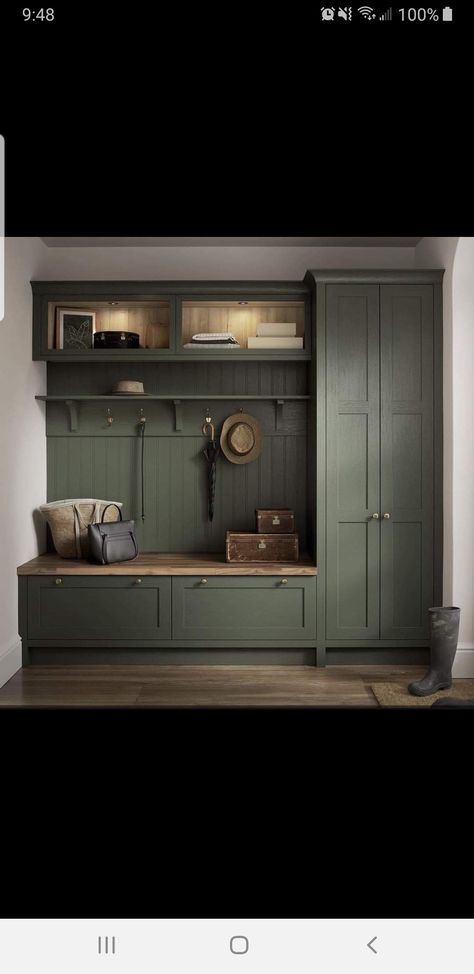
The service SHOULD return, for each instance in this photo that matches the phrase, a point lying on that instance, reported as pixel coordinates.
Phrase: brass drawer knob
(386, 516)
(203, 581)
(59, 581)
(283, 581)
(138, 581)
(376, 516)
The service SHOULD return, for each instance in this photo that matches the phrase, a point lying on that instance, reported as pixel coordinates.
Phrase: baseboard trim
(10, 662)
(197, 657)
(464, 663)
(377, 656)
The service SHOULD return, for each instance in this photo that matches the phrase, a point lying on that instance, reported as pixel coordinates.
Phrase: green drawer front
(92, 607)
(244, 608)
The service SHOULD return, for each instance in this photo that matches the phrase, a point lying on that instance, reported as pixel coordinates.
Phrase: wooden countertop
(158, 563)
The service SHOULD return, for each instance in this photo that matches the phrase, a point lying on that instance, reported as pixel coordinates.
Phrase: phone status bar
(408, 15)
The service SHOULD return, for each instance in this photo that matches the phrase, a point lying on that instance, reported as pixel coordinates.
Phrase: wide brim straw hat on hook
(241, 438)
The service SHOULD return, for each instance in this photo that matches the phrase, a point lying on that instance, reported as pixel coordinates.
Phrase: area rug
(396, 694)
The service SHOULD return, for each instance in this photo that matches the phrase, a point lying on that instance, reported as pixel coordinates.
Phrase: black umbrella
(211, 454)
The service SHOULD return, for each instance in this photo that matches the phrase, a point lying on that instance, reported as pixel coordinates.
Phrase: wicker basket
(69, 520)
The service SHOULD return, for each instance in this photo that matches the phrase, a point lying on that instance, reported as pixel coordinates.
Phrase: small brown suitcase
(275, 520)
(246, 547)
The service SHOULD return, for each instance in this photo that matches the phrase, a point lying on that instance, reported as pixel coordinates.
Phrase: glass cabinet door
(253, 325)
(88, 326)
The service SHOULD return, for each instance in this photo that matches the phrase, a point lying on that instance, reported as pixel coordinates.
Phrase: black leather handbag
(112, 541)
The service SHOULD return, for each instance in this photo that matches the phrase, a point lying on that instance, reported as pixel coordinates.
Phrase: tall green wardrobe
(378, 376)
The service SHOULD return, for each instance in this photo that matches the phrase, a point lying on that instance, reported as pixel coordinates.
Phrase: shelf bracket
(279, 413)
(178, 415)
(73, 415)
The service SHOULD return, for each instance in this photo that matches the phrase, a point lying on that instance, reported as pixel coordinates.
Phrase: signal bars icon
(387, 15)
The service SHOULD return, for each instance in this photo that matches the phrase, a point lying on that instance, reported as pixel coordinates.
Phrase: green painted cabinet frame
(389, 457)
(174, 292)
(89, 608)
(164, 619)
(247, 608)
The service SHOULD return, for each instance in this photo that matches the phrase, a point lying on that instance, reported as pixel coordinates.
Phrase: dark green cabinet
(353, 442)
(247, 608)
(103, 616)
(406, 460)
(85, 607)
(380, 461)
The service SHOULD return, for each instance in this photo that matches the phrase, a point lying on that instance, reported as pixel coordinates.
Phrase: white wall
(212, 263)
(22, 439)
(463, 446)
(456, 254)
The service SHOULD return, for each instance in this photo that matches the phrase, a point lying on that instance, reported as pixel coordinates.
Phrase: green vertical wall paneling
(352, 446)
(176, 485)
(407, 474)
(102, 460)
(193, 378)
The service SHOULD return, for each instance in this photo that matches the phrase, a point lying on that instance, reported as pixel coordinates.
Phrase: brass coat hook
(209, 425)
(110, 418)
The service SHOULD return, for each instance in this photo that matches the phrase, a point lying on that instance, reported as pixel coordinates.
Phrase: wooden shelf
(157, 563)
(73, 403)
(185, 355)
(169, 398)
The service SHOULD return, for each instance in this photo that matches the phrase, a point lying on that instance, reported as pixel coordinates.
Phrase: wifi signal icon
(367, 13)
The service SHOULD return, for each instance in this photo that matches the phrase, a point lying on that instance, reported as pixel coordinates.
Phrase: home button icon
(239, 945)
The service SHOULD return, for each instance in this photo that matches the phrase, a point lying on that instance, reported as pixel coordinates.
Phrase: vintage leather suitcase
(246, 547)
(275, 520)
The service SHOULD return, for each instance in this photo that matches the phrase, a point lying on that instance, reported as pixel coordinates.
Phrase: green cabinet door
(353, 461)
(247, 607)
(407, 475)
(99, 607)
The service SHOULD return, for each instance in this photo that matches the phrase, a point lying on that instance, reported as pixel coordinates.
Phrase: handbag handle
(77, 532)
(106, 509)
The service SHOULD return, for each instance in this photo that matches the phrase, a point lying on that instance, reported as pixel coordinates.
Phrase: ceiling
(231, 241)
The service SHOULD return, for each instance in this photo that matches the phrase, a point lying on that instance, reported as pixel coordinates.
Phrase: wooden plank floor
(199, 686)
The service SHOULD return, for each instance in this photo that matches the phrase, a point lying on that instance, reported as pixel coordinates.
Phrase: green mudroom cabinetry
(255, 608)
(352, 442)
(118, 608)
(380, 447)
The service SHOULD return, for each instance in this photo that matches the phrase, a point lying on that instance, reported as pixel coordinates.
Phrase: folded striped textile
(214, 338)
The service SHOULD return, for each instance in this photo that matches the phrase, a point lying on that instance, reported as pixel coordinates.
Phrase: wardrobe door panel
(352, 446)
(407, 473)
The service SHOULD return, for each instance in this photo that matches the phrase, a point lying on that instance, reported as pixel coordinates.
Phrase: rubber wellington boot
(444, 629)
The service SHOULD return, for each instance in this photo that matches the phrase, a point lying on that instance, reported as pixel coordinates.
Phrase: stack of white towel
(215, 339)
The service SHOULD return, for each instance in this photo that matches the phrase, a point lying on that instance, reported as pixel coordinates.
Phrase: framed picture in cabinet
(75, 329)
